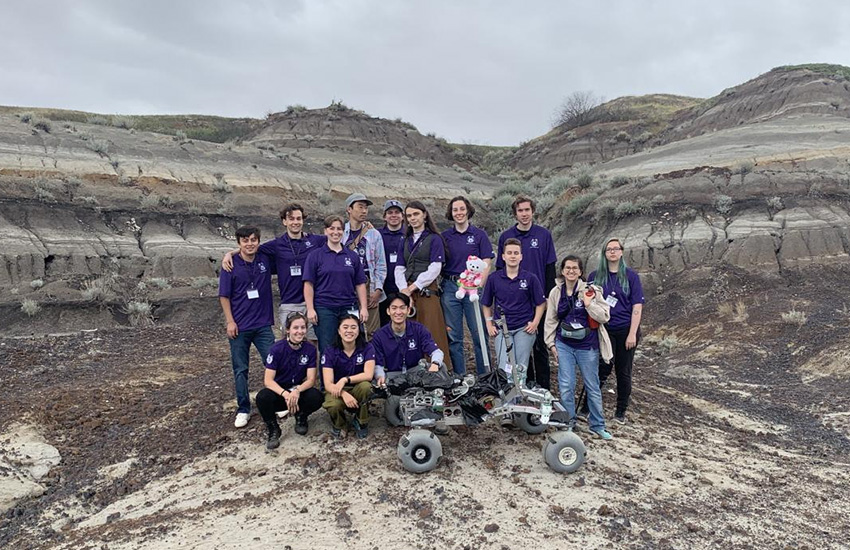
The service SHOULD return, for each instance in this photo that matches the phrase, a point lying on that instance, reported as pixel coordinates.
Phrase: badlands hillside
(116, 416)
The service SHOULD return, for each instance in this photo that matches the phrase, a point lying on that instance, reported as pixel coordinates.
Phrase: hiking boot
(242, 420)
(620, 418)
(336, 433)
(360, 430)
(602, 433)
(274, 435)
(301, 424)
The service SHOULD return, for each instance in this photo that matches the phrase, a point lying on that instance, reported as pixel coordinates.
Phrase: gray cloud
(488, 72)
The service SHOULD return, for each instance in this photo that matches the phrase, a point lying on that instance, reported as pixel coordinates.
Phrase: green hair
(602, 274)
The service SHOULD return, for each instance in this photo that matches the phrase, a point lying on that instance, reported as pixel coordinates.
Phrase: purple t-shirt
(289, 256)
(573, 314)
(620, 302)
(472, 242)
(245, 279)
(518, 296)
(394, 352)
(538, 249)
(343, 365)
(290, 365)
(392, 243)
(335, 276)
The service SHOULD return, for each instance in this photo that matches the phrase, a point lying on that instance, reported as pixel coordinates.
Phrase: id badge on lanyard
(295, 270)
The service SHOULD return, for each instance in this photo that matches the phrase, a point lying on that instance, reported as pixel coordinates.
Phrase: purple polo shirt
(343, 365)
(437, 253)
(335, 276)
(575, 318)
(392, 244)
(518, 296)
(289, 256)
(472, 242)
(538, 249)
(395, 352)
(290, 365)
(620, 302)
(249, 313)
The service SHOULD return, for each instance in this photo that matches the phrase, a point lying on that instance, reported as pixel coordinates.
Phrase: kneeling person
(348, 366)
(290, 379)
(401, 344)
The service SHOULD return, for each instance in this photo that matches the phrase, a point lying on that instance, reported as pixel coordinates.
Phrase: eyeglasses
(613, 249)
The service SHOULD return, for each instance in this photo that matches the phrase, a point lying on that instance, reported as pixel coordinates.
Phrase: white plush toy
(470, 280)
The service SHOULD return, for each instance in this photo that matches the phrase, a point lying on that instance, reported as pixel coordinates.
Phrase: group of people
(365, 304)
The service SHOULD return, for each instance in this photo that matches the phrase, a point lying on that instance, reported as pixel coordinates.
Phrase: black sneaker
(301, 424)
(274, 436)
(620, 418)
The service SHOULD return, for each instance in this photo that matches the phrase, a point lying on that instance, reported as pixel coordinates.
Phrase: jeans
(587, 360)
(523, 342)
(328, 325)
(454, 311)
(240, 352)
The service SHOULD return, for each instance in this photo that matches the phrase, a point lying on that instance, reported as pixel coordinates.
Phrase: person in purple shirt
(334, 284)
(246, 298)
(401, 344)
(392, 233)
(574, 340)
(290, 380)
(623, 291)
(519, 295)
(347, 370)
(463, 240)
(289, 252)
(538, 257)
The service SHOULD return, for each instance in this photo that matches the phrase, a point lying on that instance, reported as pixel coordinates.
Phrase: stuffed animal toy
(470, 280)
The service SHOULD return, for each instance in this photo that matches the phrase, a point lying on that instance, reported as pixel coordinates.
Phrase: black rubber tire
(529, 423)
(419, 451)
(564, 452)
(392, 410)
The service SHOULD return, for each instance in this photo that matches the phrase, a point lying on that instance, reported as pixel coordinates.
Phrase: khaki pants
(336, 406)
(429, 312)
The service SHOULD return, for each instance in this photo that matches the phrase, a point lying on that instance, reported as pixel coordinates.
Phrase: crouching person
(348, 366)
(290, 379)
(401, 344)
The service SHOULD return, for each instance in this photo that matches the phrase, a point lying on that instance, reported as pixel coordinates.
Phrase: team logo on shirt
(348, 262)
(411, 344)
(308, 244)
(323, 360)
(470, 239)
(262, 267)
(359, 358)
(534, 243)
(523, 284)
(304, 359)
(269, 359)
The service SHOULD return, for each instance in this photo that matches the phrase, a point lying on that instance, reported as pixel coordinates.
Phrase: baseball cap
(356, 197)
(392, 203)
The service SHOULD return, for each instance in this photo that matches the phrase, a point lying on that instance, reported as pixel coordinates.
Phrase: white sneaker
(281, 414)
(242, 420)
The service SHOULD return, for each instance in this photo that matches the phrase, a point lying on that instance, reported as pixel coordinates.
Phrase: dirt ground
(737, 437)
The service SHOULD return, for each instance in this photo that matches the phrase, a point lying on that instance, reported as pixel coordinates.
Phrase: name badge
(295, 270)
(393, 257)
(576, 325)
(253, 294)
(611, 300)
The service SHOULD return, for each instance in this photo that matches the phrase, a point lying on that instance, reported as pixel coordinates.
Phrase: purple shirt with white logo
(472, 242)
(397, 352)
(289, 256)
(343, 365)
(290, 365)
(572, 315)
(620, 302)
(240, 284)
(538, 249)
(335, 276)
(392, 243)
(518, 296)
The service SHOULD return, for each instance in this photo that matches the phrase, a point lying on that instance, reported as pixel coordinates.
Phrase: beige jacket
(598, 309)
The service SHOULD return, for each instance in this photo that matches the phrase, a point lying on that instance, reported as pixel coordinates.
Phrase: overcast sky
(489, 72)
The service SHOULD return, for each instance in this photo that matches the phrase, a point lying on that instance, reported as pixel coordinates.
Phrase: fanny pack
(571, 333)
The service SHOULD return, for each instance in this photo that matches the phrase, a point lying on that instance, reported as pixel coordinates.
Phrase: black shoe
(274, 435)
(301, 424)
(620, 418)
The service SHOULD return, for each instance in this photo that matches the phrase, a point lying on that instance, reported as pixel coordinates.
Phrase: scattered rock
(491, 528)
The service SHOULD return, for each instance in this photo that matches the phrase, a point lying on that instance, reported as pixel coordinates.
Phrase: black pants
(539, 369)
(622, 366)
(268, 403)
